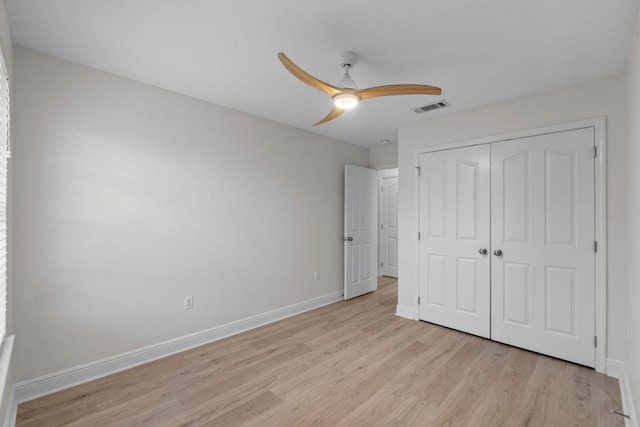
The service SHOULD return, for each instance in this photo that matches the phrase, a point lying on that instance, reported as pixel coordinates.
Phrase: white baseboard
(406, 312)
(618, 369)
(31, 389)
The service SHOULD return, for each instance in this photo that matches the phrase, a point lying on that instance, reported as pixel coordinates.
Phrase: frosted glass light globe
(345, 101)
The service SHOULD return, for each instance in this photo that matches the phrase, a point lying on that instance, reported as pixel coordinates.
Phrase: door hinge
(595, 340)
(418, 169)
(418, 300)
(381, 264)
(381, 189)
(595, 246)
(595, 151)
(381, 226)
(418, 235)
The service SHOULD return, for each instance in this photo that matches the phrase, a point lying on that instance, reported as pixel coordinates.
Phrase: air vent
(434, 106)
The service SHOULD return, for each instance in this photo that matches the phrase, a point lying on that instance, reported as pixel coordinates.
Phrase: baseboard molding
(31, 389)
(406, 312)
(617, 369)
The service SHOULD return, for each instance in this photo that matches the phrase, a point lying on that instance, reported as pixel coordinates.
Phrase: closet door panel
(454, 214)
(543, 212)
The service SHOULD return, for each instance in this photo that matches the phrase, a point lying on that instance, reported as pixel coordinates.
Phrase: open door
(388, 220)
(361, 231)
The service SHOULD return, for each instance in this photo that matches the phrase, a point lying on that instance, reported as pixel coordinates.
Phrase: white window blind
(4, 155)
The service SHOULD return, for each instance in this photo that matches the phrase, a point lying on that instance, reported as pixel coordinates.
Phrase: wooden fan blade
(335, 112)
(374, 92)
(306, 77)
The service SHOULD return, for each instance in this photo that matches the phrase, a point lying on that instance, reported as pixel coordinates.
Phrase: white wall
(633, 194)
(129, 198)
(384, 155)
(599, 98)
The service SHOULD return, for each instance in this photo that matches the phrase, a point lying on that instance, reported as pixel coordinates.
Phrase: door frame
(600, 189)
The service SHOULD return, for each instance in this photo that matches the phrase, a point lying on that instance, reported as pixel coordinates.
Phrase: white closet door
(454, 208)
(542, 221)
(389, 226)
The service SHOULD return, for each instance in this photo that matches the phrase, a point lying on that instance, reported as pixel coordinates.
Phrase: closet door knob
(497, 252)
(482, 251)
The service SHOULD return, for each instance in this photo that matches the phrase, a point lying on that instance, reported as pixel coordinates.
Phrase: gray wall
(384, 155)
(129, 198)
(633, 194)
(599, 98)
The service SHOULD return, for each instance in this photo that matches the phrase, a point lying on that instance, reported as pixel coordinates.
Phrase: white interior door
(388, 223)
(361, 231)
(454, 188)
(543, 279)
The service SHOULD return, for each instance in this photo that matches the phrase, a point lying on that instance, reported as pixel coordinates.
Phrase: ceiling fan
(346, 94)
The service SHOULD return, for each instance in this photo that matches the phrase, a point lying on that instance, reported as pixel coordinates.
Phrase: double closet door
(507, 242)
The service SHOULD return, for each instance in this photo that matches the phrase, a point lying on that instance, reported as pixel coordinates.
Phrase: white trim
(615, 368)
(580, 124)
(601, 237)
(12, 410)
(5, 148)
(618, 369)
(31, 389)
(406, 312)
(388, 173)
(386, 166)
(600, 131)
(414, 239)
(6, 390)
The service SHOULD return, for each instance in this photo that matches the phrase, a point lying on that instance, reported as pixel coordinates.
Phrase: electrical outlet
(188, 303)
(316, 276)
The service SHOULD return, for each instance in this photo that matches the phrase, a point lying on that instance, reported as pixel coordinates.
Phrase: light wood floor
(352, 363)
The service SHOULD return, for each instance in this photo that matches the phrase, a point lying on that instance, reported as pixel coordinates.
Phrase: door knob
(497, 252)
(483, 251)
(348, 239)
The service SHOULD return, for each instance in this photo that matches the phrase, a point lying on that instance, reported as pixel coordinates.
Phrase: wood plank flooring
(353, 363)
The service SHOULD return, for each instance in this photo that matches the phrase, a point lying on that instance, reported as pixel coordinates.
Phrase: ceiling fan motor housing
(348, 59)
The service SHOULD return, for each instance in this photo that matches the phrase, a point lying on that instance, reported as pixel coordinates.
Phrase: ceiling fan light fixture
(347, 95)
(346, 101)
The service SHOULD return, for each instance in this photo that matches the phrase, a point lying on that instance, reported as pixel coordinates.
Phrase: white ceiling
(224, 51)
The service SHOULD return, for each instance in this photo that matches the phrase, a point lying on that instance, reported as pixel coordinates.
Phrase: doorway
(371, 228)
